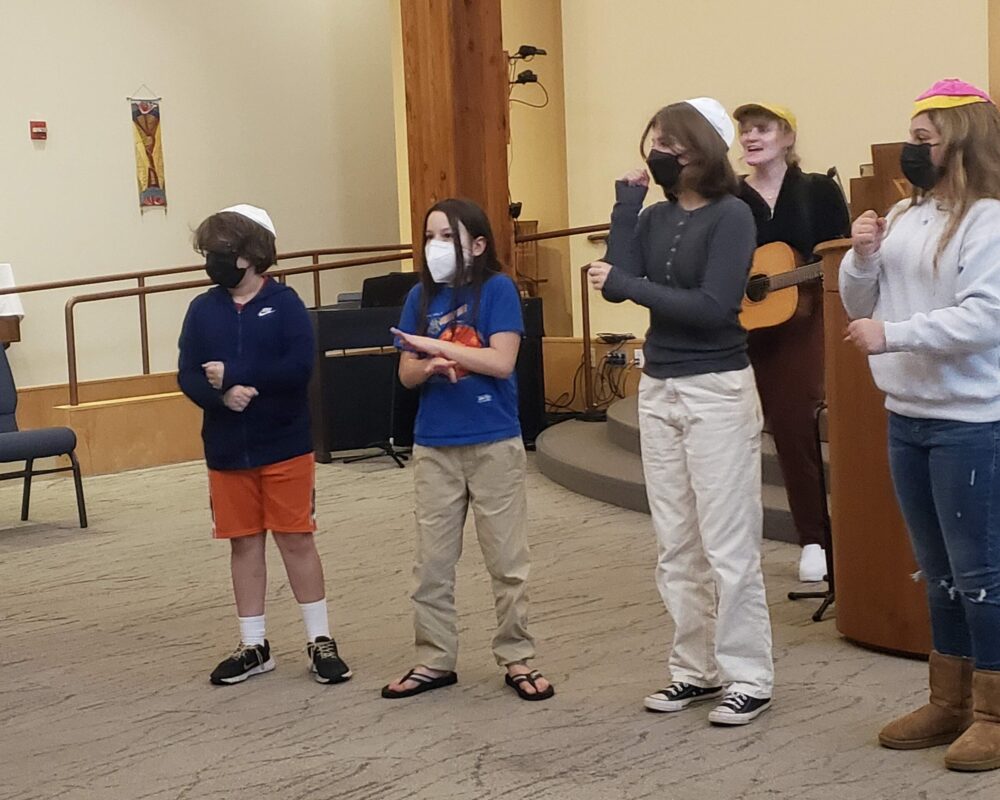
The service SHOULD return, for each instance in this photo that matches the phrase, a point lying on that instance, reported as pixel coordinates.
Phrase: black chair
(26, 446)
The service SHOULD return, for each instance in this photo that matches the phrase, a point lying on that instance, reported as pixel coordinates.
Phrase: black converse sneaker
(245, 661)
(737, 708)
(679, 695)
(325, 662)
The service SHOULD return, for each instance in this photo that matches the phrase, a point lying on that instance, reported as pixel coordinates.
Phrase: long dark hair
(709, 172)
(469, 278)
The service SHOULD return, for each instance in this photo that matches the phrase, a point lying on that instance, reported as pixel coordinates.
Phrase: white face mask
(440, 258)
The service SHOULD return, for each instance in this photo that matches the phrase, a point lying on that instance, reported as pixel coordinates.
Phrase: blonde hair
(970, 167)
(761, 118)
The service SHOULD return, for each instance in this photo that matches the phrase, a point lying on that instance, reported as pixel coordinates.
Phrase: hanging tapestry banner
(148, 153)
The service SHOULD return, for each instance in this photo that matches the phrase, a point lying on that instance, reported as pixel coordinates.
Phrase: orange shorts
(276, 497)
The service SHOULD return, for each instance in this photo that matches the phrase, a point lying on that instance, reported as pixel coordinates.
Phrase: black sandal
(425, 683)
(516, 682)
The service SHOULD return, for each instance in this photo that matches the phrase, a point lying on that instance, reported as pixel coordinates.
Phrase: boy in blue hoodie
(246, 354)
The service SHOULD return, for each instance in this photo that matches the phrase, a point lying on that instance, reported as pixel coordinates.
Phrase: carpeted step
(623, 431)
(581, 456)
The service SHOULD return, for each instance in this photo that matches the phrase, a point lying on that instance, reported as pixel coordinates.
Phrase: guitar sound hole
(758, 287)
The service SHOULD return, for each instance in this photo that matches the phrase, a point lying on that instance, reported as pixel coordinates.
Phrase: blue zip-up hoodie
(270, 346)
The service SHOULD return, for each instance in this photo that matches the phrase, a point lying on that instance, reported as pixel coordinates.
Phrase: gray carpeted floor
(108, 636)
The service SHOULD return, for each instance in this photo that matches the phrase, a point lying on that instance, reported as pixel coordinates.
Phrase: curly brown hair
(229, 232)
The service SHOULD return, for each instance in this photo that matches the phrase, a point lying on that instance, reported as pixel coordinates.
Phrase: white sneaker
(812, 564)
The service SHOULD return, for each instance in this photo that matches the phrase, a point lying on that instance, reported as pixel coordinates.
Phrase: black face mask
(222, 269)
(665, 169)
(918, 169)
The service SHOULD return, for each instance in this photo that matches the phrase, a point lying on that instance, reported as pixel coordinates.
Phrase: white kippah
(712, 110)
(258, 215)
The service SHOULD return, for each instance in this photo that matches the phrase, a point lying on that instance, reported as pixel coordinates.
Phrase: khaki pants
(490, 478)
(701, 458)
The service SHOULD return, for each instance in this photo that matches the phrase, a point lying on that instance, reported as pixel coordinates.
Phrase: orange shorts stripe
(275, 497)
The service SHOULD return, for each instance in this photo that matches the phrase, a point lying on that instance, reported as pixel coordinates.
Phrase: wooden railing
(400, 252)
(143, 276)
(142, 291)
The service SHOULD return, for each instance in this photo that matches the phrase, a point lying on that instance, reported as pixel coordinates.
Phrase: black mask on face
(665, 169)
(222, 269)
(918, 169)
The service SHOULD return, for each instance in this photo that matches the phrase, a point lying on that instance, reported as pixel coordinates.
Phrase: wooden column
(456, 109)
(878, 603)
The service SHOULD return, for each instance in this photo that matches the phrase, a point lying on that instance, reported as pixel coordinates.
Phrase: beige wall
(849, 69)
(994, 34)
(283, 104)
(537, 154)
(399, 116)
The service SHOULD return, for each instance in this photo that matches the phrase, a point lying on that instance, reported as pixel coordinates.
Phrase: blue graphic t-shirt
(478, 409)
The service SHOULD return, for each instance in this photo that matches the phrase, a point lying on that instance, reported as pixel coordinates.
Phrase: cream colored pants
(701, 459)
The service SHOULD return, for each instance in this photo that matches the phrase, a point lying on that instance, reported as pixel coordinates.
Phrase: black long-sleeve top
(810, 209)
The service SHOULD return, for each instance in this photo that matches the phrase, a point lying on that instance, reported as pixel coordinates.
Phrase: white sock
(252, 630)
(315, 619)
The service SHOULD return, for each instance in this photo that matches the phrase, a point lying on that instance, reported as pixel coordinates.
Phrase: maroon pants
(788, 364)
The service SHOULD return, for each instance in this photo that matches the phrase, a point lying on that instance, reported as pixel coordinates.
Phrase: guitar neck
(807, 272)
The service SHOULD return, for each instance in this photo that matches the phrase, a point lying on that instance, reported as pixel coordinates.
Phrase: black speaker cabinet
(357, 399)
(365, 403)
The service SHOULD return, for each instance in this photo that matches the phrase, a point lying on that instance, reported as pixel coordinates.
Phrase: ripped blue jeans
(947, 479)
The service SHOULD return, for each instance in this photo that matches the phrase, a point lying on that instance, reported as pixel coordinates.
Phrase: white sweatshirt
(942, 328)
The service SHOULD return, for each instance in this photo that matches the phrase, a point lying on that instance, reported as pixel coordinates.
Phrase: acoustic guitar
(772, 293)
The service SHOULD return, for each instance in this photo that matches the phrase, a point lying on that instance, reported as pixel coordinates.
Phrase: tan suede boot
(978, 749)
(945, 717)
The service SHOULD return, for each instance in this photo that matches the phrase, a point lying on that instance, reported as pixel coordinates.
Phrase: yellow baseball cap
(768, 108)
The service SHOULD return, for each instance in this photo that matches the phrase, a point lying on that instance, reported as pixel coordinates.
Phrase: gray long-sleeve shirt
(689, 268)
(942, 322)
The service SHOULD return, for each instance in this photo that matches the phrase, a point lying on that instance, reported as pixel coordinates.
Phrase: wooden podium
(879, 605)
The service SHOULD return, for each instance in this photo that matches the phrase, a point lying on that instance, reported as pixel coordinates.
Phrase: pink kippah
(953, 87)
(949, 93)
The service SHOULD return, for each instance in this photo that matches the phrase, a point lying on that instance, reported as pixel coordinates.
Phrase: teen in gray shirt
(687, 260)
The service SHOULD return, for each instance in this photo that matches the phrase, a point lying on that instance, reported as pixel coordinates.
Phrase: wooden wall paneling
(994, 48)
(36, 405)
(136, 432)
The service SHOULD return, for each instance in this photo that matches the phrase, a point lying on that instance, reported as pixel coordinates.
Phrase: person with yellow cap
(923, 290)
(800, 209)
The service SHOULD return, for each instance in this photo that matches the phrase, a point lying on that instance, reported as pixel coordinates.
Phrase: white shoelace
(735, 700)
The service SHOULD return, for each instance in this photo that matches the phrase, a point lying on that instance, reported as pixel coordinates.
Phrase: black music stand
(387, 446)
(829, 596)
(388, 291)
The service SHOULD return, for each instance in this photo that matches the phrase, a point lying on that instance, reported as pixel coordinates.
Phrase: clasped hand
(236, 398)
(438, 363)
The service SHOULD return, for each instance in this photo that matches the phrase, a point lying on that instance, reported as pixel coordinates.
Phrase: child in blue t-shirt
(460, 332)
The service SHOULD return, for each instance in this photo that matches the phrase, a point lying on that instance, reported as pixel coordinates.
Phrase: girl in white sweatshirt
(923, 290)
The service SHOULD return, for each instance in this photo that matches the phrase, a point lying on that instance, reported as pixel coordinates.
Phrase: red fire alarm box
(39, 130)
